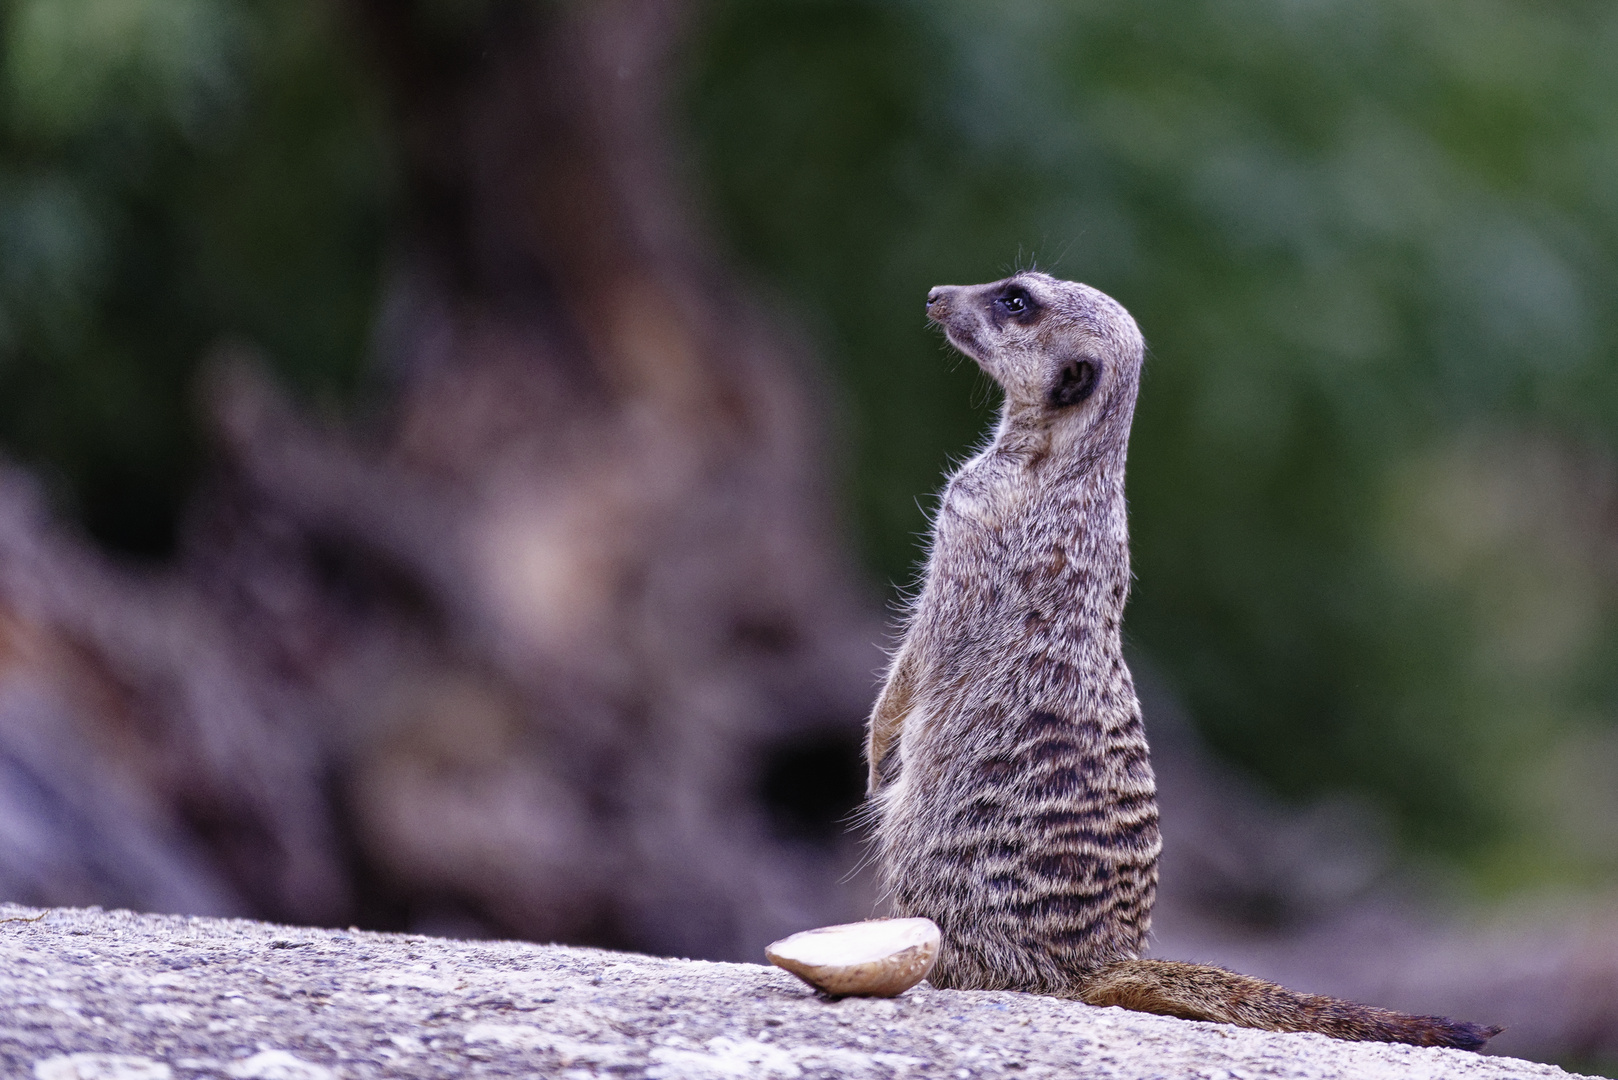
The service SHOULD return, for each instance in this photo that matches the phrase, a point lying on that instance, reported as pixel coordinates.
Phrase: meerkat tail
(1200, 992)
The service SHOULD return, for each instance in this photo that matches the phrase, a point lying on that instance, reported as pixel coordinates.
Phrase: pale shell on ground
(876, 958)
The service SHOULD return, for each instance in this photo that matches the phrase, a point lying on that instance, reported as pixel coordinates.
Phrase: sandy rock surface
(91, 995)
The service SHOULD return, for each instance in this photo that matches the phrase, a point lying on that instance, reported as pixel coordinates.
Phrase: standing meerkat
(1010, 789)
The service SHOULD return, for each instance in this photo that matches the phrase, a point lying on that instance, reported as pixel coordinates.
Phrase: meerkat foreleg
(886, 726)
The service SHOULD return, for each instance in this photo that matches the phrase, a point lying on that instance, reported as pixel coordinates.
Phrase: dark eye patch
(1014, 302)
(1076, 380)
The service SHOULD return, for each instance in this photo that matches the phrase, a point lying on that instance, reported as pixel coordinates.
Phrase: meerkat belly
(1035, 853)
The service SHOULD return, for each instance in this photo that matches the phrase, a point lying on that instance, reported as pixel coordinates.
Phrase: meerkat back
(1012, 798)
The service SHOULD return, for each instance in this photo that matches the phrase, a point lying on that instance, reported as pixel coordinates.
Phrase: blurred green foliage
(174, 174)
(1374, 248)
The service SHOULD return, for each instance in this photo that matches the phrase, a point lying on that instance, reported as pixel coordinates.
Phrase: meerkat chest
(1018, 623)
(1005, 555)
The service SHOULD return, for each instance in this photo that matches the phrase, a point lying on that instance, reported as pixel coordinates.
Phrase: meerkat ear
(1076, 380)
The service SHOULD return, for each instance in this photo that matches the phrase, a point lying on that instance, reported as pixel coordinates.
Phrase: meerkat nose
(935, 297)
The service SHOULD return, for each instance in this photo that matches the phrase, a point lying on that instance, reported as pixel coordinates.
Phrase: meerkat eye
(1075, 381)
(1016, 303)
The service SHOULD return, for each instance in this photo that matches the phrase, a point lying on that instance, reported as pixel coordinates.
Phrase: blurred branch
(147, 761)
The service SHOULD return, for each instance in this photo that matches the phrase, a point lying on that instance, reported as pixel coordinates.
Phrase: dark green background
(1372, 247)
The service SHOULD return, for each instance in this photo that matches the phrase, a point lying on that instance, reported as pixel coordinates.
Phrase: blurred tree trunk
(588, 659)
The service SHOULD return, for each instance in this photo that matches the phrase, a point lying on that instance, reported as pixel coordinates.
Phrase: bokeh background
(313, 316)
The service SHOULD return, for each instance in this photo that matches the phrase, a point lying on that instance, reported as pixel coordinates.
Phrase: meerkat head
(1068, 356)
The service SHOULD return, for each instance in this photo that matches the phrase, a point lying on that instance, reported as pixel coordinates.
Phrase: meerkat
(1011, 794)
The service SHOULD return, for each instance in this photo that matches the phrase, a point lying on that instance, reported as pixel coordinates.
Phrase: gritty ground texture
(92, 995)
